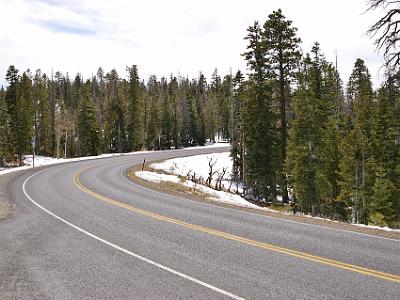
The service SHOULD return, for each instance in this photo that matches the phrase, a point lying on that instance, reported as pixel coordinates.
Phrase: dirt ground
(191, 194)
(6, 206)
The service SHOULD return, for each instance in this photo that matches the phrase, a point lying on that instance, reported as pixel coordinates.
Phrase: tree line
(297, 133)
(63, 117)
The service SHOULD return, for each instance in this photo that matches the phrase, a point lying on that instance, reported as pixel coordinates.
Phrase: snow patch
(156, 177)
(46, 161)
(218, 196)
(198, 165)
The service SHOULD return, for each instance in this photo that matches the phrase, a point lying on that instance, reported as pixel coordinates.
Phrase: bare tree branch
(387, 31)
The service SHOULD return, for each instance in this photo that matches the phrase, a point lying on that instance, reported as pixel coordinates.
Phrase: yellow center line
(232, 237)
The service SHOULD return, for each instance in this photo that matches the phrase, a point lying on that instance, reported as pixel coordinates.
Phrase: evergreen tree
(236, 129)
(385, 200)
(304, 139)
(114, 129)
(283, 55)
(24, 116)
(213, 119)
(313, 154)
(200, 101)
(225, 106)
(167, 121)
(258, 122)
(135, 117)
(173, 94)
(88, 129)
(43, 136)
(356, 166)
(4, 130)
(12, 108)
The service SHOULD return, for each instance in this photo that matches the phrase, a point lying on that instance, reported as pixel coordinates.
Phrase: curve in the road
(218, 251)
(87, 233)
(228, 236)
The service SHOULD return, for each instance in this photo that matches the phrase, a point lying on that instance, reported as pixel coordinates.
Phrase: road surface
(84, 230)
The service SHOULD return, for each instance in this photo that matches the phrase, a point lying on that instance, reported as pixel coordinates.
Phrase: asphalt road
(83, 230)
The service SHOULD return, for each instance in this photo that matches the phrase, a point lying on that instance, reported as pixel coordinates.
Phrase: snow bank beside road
(219, 196)
(198, 164)
(46, 161)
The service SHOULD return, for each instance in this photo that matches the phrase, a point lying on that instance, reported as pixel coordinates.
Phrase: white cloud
(164, 37)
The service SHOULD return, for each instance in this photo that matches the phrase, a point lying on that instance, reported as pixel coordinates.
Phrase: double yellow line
(232, 237)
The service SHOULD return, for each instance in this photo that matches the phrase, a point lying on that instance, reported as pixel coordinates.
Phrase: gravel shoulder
(7, 207)
(193, 195)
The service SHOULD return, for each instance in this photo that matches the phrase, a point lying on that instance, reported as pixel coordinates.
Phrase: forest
(327, 148)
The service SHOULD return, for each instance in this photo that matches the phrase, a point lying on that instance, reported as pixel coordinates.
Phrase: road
(83, 230)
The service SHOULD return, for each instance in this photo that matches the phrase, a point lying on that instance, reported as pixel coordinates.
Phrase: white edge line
(253, 214)
(187, 277)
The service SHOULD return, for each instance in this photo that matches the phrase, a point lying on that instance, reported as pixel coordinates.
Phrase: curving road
(83, 230)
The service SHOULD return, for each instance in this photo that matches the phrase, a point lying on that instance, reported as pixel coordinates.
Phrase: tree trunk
(285, 196)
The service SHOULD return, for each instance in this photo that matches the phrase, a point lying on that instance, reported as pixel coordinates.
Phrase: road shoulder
(7, 207)
(190, 194)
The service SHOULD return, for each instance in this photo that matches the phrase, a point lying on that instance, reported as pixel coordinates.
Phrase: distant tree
(226, 106)
(154, 115)
(43, 135)
(200, 100)
(114, 128)
(23, 117)
(11, 102)
(173, 94)
(167, 118)
(213, 120)
(4, 129)
(236, 134)
(88, 129)
(135, 115)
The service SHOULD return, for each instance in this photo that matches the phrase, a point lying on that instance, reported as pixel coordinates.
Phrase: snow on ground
(218, 144)
(219, 196)
(198, 164)
(156, 177)
(45, 161)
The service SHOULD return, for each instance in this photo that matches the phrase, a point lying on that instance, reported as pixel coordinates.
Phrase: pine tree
(200, 101)
(304, 138)
(356, 166)
(114, 128)
(4, 129)
(225, 106)
(11, 102)
(283, 55)
(166, 117)
(24, 116)
(258, 120)
(236, 129)
(42, 115)
(313, 155)
(213, 120)
(173, 94)
(88, 129)
(135, 106)
(385, 203)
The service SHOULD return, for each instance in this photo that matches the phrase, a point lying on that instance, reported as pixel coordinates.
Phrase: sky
(182, 37)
